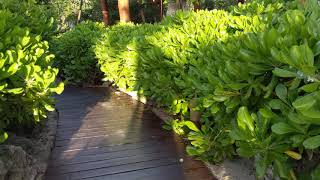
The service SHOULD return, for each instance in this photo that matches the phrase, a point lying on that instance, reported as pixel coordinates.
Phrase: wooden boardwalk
(105, 135)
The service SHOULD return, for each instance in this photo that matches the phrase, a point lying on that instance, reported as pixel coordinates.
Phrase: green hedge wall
(75, 54)
(252, 73)
(27, 80)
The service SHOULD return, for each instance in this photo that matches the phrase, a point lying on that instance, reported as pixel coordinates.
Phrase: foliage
(149, 8)
(253, 71)
(30, 15)
(217, 4)
(27, 80)
(171, 63)
(74, 53)
(66, 12)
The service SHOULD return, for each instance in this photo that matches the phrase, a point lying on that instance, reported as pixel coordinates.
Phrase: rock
(13, 160)
(238, 169)
(23, 158)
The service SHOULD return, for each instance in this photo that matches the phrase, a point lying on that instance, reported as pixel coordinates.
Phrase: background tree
(105, 11)
(196, 5)
(124, 11)
(80, 11)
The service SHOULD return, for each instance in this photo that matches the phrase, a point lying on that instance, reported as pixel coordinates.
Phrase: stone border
(26, 158)
(237, 169)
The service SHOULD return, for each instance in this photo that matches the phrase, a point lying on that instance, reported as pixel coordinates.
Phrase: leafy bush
(217, 4)
(74, 53)
(27, 80)
(253, 73)
(30, 15)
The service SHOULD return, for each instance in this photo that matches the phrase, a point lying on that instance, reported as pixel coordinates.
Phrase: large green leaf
(191, 126)
(283, 73)
(244, 119)
(310, 87)
(261, 164)
(282, 92)
(312, 142)
(3, 137)
(316, 49)
(302, 57)
(283, 128)
(304, 102)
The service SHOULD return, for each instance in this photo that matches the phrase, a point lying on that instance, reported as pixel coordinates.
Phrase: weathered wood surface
(106, 135)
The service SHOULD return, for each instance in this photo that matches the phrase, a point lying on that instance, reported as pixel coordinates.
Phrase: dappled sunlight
(102, 133)
(239, 82)
(244, 69)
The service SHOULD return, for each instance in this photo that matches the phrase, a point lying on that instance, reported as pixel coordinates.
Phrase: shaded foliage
(27, 80)
(253, 72)
(75, 55)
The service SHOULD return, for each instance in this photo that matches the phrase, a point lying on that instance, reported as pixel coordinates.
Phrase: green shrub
(174, 62)
(74, 53)
(286, 55)
(29, 14)
(253, 73)
(27, 80)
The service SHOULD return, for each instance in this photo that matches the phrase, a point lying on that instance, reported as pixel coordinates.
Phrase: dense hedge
(74, 53)
(29, 14)
(26, 76)
(253, 73)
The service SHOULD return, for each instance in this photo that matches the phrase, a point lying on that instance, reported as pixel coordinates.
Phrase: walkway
(104, 135)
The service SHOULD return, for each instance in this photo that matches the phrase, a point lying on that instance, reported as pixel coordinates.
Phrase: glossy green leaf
(276, 104)
(282, 128)
(312, 142)
(302, 56)
(310, 87)
(15, 91)
(191, 126)
(3, 137)
(244, 119)
(281, 91)
(283, 73)
(316, 49)
(261, 164)
(304, 102)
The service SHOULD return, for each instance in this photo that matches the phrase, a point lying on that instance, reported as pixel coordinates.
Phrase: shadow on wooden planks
(106, 135)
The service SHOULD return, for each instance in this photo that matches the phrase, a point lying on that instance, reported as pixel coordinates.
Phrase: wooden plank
(102, 135)
(117, 133)
(123, 168)
(105, 122)
(169, 172)
(107, 118)
(103, 130)
(105, 149)
(112, 155)
(124, 159)
(107, 126)
(135, 142)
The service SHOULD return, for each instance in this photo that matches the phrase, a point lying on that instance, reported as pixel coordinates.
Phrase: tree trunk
(143, 18)
(80, 11)
(196, 6)
(105, 11)
(124, 11)
(183, 4)
(141, 12)
(172, 8)
(161, 9)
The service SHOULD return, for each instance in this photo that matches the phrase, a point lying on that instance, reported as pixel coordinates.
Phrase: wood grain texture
(105, 135)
